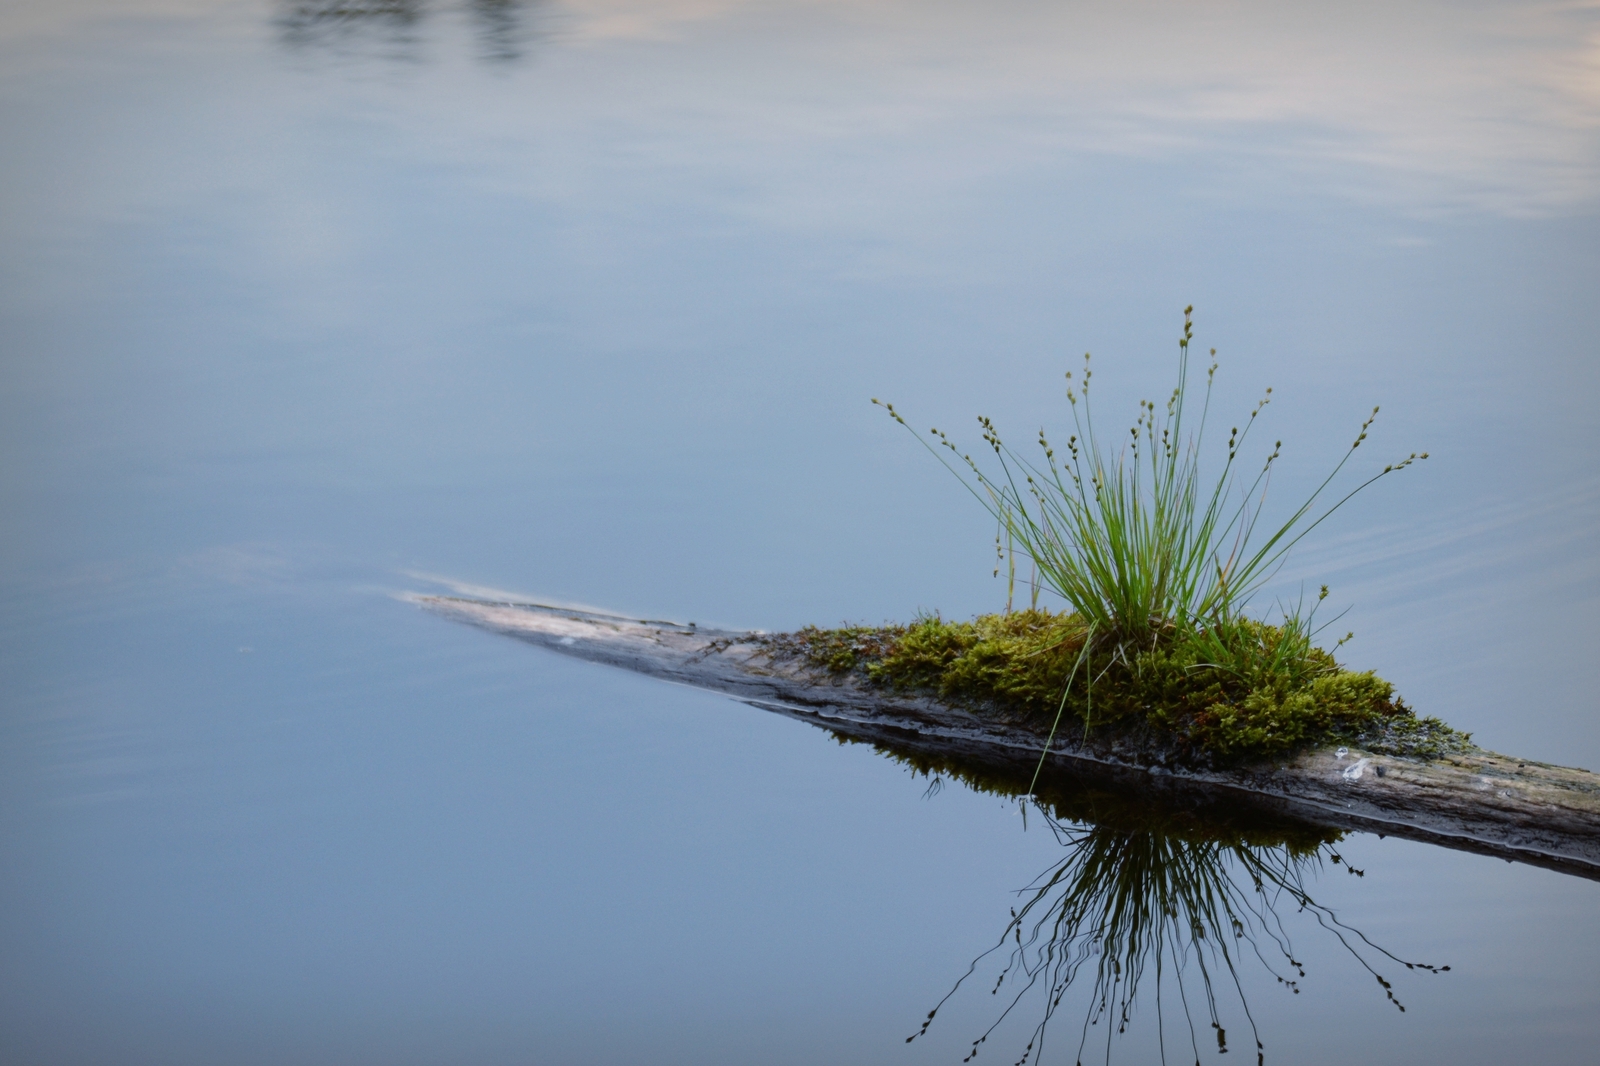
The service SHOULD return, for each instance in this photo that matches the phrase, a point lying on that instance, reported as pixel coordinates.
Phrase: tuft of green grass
(1159, 561)
(1136, 537)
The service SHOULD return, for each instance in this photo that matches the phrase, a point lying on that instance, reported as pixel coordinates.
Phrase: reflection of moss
(1122, 809)
(1263, 696)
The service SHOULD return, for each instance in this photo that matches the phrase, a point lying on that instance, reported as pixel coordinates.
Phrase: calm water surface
(304, 305)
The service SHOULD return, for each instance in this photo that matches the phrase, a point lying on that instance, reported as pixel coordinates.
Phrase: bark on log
(1492, 804)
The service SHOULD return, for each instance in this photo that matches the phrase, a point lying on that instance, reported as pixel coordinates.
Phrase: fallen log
(1476, 801)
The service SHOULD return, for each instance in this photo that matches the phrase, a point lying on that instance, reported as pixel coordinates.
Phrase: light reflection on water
(587, 299)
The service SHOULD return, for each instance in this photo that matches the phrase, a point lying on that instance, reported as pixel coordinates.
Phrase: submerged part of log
(1482, 802)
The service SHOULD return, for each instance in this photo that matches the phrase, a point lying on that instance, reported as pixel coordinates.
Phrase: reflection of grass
(1172, 894)
(1157, 562)
(1146, 894)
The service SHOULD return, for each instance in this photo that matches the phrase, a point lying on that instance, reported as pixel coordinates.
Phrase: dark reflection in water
(386, 26)
(503, 29)
(1166, 896)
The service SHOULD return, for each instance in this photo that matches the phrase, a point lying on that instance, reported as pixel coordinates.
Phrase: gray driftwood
(1512, 808)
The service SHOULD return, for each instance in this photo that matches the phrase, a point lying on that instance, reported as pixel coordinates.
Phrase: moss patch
(1255, 702)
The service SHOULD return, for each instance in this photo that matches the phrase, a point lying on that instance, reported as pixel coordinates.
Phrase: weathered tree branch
(1519, 810)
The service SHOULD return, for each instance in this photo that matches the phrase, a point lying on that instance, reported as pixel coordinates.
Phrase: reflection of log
(1531, 812)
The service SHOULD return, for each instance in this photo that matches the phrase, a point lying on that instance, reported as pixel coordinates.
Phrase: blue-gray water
(586, 300)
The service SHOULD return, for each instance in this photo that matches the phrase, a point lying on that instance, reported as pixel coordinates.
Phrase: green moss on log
(1017, 667)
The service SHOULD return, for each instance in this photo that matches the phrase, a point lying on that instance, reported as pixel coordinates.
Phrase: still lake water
(304, 305)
